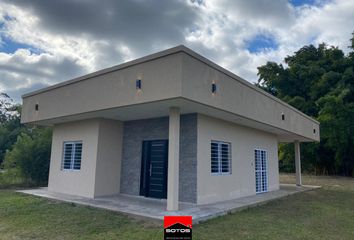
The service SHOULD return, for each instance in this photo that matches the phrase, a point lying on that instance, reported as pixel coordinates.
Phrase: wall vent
(213, 88)
(138, 84)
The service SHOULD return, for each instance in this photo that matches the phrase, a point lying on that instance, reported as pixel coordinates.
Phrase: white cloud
(77, 37)
(333, 23)
(228, 25)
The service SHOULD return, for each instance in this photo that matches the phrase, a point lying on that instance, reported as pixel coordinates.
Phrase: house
(172, 125)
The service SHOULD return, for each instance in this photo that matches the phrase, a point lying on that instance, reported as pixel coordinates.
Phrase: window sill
(70, 170)
(220, 174)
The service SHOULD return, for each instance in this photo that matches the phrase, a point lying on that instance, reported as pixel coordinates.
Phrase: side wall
(241, 182)
(135, 132)
(239, 98)
(100, 162)
(74, 182)
(109, 157)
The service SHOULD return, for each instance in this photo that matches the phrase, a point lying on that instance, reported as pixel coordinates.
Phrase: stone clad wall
(135, 132)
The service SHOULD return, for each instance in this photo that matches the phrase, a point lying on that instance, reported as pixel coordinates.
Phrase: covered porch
(171, 110)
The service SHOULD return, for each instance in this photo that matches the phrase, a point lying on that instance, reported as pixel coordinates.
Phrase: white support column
(298, 163)
(173, 159)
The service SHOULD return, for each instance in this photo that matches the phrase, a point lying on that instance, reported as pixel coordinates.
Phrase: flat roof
(170, 51)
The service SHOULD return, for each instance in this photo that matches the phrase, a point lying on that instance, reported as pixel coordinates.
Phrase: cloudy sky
(45, 42)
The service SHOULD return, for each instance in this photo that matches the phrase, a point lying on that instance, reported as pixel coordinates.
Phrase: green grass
(327, 213)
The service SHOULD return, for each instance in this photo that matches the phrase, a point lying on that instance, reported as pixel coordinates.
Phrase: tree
(7, 108)
(318, 81)
(10, 126)
(30, 155)
(24, 150)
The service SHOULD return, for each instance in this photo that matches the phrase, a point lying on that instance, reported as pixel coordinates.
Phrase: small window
(283, 116)
(220, 158)
(36, 107)
(72, 156)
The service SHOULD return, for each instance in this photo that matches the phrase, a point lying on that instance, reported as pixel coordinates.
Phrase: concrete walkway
(154, 209)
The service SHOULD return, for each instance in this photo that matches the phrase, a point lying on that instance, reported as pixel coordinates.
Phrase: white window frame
(262, 170)
(219, 143)
(72, 160)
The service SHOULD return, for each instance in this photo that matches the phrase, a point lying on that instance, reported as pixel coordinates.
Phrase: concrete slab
(155, 209)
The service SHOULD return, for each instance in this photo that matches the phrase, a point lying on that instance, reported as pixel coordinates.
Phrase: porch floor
(155, 209)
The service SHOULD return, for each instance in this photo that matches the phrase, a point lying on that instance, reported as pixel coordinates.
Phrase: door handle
(150, 171)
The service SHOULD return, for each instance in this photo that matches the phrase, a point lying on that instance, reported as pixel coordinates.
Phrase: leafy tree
(7, 108)
(30, 155)
(10, 126)
(24, 150)
(318, 81)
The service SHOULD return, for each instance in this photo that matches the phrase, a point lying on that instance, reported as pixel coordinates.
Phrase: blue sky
(9, 46)
(302, 2)
(261, 43)
(239, 35)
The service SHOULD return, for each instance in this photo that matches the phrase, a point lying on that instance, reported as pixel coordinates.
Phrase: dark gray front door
(154, 169)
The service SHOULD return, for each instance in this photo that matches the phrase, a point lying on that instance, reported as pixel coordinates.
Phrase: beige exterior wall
(238, 97)
(161, 79)
(81, 182)
(241, 182)
(100, 164)
(109, 158)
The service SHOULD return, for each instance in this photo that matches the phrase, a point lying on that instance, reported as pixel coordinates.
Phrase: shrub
(12, 178)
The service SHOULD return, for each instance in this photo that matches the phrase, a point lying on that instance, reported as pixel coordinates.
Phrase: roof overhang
(161, 109)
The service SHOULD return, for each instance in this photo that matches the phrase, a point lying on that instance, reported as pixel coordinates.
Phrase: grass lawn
(327, 213)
